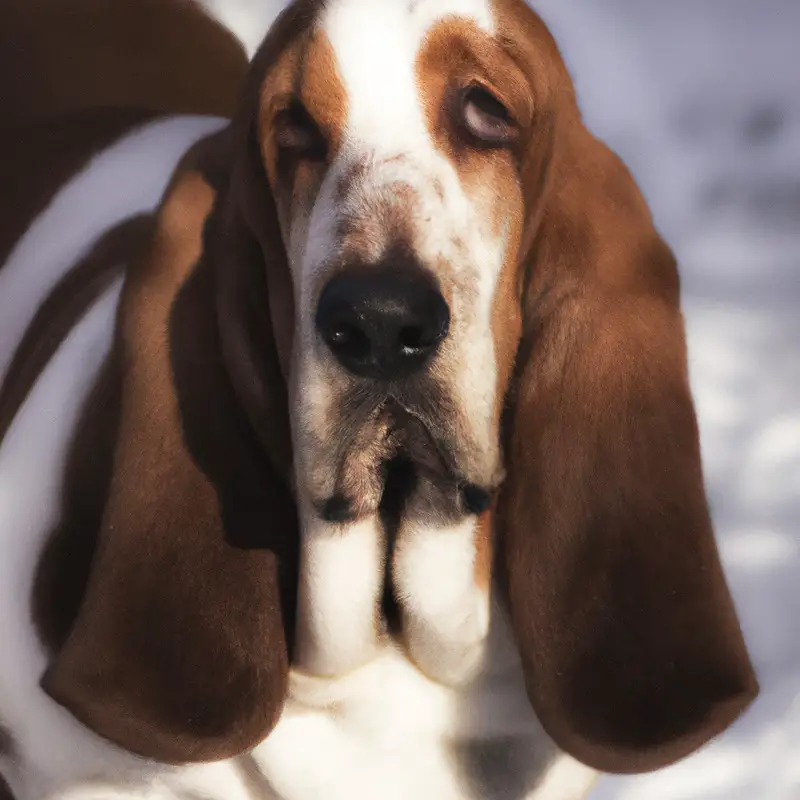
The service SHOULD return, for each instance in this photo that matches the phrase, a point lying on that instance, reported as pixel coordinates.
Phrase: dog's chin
(394, 466)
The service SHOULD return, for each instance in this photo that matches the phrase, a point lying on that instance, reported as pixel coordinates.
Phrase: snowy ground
(702, 99)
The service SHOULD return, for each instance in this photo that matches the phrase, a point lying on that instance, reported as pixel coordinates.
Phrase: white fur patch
(378, 732)
(387, 731)
(341, 578)
(445, 613)
(376, 47)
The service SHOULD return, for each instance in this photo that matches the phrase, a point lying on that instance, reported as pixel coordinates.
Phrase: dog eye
(485, 117)
(297, 133)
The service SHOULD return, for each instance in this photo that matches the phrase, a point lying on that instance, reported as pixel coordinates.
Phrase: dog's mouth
(397, 459)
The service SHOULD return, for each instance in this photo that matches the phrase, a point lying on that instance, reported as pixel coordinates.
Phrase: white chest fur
(387, 731)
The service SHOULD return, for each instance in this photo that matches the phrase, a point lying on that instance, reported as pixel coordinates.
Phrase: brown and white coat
(242, 558)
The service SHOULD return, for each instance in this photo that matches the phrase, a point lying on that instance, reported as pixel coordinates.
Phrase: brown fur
(179, 651)
(293, 62)
(484, 551)
(195, 559)
(631, 648)
(306, 70)
(632, 651)
(61, 58)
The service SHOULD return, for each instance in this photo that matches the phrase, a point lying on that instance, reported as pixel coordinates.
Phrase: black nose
(382, 323)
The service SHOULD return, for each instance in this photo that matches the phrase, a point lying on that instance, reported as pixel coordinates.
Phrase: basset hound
(347, 449)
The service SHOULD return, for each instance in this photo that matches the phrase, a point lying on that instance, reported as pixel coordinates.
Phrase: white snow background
(702, 99)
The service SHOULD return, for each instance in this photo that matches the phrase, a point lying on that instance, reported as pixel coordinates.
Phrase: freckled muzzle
(382, 322)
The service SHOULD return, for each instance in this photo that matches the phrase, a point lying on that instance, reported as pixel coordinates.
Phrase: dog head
(419, 237)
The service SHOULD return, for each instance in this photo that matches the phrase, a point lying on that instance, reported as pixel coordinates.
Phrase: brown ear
(180, 650)
(632, 651)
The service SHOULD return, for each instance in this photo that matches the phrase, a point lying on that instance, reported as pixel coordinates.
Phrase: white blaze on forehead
(377, 43)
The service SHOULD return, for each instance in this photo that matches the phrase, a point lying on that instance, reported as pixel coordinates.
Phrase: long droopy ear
(632, 651)
(180, 651)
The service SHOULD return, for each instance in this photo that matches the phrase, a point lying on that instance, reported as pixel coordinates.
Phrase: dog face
(393, 136)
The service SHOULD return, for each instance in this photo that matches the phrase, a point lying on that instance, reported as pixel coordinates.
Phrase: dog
(347, 448)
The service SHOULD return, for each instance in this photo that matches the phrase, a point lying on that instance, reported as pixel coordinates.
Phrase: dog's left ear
(631, 647)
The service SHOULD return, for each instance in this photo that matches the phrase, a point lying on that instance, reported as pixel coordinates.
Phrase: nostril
(347, 339)
(413, 339)
(431, 326)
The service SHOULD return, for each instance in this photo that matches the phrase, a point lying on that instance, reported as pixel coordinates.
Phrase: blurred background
(702, 99)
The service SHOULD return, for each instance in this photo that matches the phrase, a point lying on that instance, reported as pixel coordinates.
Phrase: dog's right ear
(180, 650)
